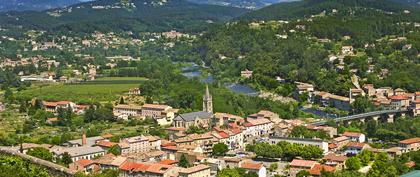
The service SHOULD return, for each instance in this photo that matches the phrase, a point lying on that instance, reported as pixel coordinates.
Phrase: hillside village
(246, 98)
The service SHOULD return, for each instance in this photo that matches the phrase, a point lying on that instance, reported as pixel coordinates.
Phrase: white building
(355, 136)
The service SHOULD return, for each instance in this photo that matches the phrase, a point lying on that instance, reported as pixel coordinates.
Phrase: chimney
(84, 141)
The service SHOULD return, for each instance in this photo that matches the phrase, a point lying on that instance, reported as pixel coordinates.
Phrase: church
(199, 119)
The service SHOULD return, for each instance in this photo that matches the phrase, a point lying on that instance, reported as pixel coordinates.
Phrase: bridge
(389, 115)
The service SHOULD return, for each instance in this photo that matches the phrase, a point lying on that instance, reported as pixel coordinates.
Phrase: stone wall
(52, 168)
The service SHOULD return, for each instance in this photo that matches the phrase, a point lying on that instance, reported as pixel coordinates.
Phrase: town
(161, 88)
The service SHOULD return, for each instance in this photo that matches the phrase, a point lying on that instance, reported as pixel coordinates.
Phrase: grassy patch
(104, 89)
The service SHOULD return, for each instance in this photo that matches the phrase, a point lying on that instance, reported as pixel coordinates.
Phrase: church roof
(188, 117)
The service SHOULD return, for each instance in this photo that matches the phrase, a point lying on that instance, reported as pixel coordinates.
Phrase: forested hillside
(114, 15)
(292, 49)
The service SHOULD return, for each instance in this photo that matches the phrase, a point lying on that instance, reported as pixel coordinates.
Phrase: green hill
(305, 8)
(135, 15)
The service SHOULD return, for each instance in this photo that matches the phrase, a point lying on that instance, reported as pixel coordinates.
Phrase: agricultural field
(100, 90)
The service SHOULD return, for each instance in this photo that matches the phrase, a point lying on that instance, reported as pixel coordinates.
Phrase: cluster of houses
(385, 97)
(53, 107)
(144, 156)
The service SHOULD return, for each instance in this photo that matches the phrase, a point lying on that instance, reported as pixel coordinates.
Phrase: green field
(101, 90)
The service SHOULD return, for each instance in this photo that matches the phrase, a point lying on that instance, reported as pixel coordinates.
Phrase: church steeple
(207, 101)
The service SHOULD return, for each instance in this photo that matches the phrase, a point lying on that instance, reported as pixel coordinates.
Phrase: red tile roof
(251, 166)
(303, 163)
(105, 143)
(172, 148)
(316, 170)
(168, 162)
(411, 140)
(84, 162)
(224, 134)
(352, 134)
(398, 97)
(335, 157)
(155, 106)
(259, 121)
(128, 166)
(356, 145)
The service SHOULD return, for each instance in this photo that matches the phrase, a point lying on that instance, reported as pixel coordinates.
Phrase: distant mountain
(415, 3)
(291, 10)
(134, 15)
(36, 5)
(248, 4)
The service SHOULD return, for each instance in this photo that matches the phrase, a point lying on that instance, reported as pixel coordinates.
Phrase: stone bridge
(384, 116)
(52, 168)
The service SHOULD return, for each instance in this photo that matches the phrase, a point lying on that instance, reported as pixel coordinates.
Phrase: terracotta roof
(398, 97)
(105, 143)
(303, 163)
(341, 138)
(155, 106)
(410, 164)
(316, 170)
(352, 134)
(194, 169)
(84, 162)
(259, 121)
(158, 168)
(332, 146)
(128, 166)
(411, 140)
(224, 134)
(251, 166)
(168, 162)
(172, 148)
(335, 157)
(356, 145)
(126, 106)
(107, 135)
(53, 119)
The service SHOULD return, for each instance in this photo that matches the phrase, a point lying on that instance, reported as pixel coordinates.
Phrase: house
(415, 107)
(198, 119)
(223, 119)
(399, 102)
(318, 168)
(53, 107)
(347, 50)
(257, 127)
(134, 91)
(163, 114)
(246, 73)
(110, 161)
(331, 131)
(195, 171)
(340, 102)
(255, 167)
(408, 145)
(335, 160)
(139, 144)
(85, 166)
(301, 141)
(369, 89)
(355, 136)
(341, 141)
(91, 141)
(304, 88)
(354, 148)
(77, 153)
(135, 169)
(298, 165)
(128, 110)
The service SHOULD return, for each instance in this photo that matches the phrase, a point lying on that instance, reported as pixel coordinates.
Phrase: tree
(228, 172)
(365, 157)
(41, 153)
(66, 158)
(273, 167)
(8, 95)
(220, 149)
(122, 100)
(183, 161)
(115, 149)
(303, 173)
(353, 163)
(361, 105)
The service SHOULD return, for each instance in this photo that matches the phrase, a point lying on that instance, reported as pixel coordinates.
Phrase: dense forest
(141, 15)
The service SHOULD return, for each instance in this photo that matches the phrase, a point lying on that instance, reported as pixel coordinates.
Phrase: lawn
(100, 90)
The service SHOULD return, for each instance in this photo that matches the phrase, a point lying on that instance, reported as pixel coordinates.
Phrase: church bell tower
(207, 101)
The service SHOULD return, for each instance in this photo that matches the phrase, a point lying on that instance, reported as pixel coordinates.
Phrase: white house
(355, 136)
